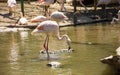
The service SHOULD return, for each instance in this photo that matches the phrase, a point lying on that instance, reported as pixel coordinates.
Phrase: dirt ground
(32, 10)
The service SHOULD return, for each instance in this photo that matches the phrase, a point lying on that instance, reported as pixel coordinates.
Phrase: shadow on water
(108, 71)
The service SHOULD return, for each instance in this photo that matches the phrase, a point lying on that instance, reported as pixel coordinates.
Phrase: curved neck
(68, 41)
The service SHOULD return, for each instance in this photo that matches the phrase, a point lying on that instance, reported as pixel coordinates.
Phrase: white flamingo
(58, 16)
(50, 27)
(11, 6)
(22, 20)
(55, 16)
(46, 4)
(39, 19)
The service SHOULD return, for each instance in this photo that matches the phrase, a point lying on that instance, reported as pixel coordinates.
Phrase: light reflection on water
(19, 51)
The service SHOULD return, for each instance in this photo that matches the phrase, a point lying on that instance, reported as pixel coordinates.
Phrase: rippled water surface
(19, 51)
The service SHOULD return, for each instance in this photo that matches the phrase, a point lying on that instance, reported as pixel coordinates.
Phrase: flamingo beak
(34, 31)
(66, 18)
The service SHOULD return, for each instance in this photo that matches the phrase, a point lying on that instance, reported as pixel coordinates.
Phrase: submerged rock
(56, 51)
(54, 64)
(54, 54)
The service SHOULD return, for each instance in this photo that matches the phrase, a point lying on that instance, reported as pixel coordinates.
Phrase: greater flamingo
(39, 19)
(55, 16)
(11, 5)
(46, 4)
(22, 20)
(58, 16)
(50, 27)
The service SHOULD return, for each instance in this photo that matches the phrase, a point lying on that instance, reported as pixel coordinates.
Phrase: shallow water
(19, 51)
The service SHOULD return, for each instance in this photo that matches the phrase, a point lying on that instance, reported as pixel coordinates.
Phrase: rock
(113, 61)
(54, 64)
(56, 51)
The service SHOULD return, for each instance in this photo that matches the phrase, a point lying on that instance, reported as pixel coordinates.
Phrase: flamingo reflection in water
(50, 27)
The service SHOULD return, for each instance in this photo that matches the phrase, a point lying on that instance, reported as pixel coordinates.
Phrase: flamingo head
(34, 31)
(38, 29)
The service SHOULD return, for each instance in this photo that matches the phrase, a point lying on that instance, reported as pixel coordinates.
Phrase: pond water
(19, 51)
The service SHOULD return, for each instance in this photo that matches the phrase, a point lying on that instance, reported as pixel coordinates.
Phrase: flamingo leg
(46, 46)
(46, 11)
(44, 8)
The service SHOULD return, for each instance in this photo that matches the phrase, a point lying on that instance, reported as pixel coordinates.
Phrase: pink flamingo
(58, 16)
(50, 27)
(39, 19)
(22, 20)
(46, 4)
(11, 6)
